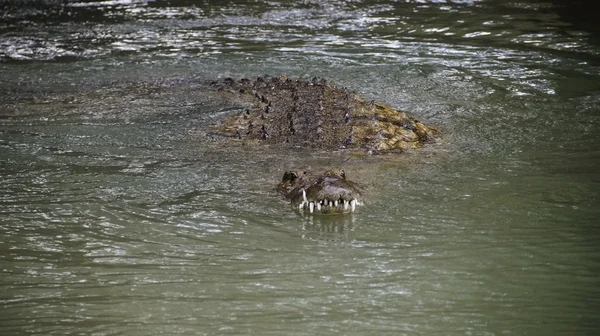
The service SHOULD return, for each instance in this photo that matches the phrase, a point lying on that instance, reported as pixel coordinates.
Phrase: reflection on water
(140, 30)
(122, 214)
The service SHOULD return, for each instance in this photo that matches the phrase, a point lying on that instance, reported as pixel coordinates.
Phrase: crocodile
(317, 114)
(273, 111)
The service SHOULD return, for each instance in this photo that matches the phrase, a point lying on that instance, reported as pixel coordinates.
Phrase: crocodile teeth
(304, 195)
(334, 206)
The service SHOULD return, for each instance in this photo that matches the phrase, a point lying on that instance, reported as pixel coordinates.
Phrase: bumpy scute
(316, 114)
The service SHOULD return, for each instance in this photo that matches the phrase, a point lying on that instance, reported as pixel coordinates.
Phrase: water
(121, 215)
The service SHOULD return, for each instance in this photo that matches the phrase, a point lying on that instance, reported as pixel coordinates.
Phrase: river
(122, 215)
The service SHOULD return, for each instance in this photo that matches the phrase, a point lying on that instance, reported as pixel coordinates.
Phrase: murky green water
(120, 215)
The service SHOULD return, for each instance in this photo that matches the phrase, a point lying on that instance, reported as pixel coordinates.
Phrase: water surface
(122, 215)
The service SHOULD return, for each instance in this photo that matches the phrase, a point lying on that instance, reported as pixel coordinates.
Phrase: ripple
(120, 217)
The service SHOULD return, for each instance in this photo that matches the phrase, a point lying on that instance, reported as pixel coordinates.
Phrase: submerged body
(316, 114)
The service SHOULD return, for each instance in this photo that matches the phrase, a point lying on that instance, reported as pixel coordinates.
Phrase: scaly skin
(329, 192)
(316, 114)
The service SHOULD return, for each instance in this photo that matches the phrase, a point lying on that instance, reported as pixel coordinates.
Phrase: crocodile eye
(289, 176)
(342, 174)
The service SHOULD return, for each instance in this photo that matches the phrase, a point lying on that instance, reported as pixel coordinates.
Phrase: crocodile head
(328, 192)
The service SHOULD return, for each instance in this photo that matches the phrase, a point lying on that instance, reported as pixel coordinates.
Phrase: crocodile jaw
(326, 193)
